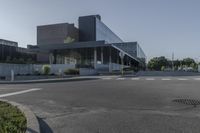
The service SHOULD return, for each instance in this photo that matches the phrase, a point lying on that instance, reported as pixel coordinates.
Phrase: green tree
(188, 61)
(157, 62)
(69, 40)
(14, 60)
(29, 61)
(162, 68)
(8, 59)
(21, 61)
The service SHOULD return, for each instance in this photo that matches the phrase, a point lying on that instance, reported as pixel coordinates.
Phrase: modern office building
(92, 45)
(11, 53)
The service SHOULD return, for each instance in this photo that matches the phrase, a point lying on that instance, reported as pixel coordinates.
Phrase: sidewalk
(48, 80)
(80, 78)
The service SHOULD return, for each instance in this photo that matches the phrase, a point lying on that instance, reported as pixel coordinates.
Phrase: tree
(188, 61)
(8, 59)
(162, 68)
(157, 62)
(21, 61)
(69, 40)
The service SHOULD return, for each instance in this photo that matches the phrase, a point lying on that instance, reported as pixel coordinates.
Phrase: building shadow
(44, 127)
(29, 130)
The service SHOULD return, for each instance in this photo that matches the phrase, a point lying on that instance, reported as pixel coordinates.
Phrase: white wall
(5, 69)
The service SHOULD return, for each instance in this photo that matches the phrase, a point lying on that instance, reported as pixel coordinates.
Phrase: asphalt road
(110, 105)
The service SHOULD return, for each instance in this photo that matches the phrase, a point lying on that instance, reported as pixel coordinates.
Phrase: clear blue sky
(160, 26)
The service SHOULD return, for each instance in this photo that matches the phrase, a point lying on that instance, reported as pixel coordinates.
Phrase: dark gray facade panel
(56, 33)
(91, 44)
(87, 28)
(9, 53)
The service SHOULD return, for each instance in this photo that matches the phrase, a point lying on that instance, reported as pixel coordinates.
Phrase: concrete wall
(87, 71)
(105, 67)
(163, 73)
(55, 68)
(5, 69)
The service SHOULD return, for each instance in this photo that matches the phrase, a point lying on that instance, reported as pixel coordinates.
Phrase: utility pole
(172, 61)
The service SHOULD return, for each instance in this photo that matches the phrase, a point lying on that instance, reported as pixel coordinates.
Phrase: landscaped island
(12, 120)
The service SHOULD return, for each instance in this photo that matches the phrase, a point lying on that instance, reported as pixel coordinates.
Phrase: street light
(121, 55)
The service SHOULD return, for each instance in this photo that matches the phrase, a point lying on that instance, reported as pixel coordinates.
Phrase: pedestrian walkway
(153, 78)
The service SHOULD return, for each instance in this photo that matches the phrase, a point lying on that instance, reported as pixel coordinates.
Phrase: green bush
(11, 119)
(135, 69)
(46, 69)
(72, 71)
(163, 68)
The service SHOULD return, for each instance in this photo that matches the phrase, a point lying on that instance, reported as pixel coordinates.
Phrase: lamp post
(121, 55)
(172, 61)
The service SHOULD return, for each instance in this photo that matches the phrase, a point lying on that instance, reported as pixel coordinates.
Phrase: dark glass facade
(11, 53)
(104, 33)
(91, 28)
(7, 52)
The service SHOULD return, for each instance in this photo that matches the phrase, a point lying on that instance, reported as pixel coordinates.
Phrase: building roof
(8, 43)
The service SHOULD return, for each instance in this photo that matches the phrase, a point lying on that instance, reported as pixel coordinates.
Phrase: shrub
(135, 69)
(72, 71)
(12, 120)
(46, 69)
(163, 68)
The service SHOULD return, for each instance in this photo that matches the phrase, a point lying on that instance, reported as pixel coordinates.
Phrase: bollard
(12, 75)
(60, 73)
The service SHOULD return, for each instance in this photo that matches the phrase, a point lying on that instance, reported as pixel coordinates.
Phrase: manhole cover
(187, 101)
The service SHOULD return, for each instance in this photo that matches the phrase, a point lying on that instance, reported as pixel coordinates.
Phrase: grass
(12, 120)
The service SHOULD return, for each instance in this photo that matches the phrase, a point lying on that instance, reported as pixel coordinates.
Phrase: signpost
(121, 55)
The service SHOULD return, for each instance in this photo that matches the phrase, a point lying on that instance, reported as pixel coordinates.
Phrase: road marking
(135, 78)
(120, 78)
(182, 79)
(150, 79)
(19, 92)
(106, 78)
(165, 79)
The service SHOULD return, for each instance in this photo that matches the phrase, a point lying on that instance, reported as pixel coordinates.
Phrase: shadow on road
(44, 127)
(31, 130)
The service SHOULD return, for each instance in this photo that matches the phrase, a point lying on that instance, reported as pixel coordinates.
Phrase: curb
(32, 122)
(47, 80)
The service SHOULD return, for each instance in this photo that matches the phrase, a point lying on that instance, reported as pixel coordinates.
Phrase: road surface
(111, 105)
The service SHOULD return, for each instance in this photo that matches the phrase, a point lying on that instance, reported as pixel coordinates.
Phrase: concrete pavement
(113, 105)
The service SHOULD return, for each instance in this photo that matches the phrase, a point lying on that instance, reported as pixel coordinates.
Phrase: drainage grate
(187, 101)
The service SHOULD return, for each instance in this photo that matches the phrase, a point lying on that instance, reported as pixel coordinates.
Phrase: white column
(51, 58)
(95, 58)
(102, 55)
(110, 61)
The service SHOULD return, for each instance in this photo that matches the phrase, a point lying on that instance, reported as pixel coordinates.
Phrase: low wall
(87, 71)
(105, 67)
(170, 73)
(5, 69)
(24, 69)
(55, 68)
